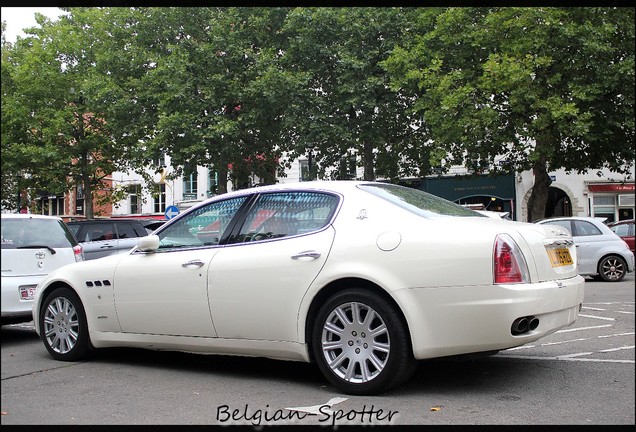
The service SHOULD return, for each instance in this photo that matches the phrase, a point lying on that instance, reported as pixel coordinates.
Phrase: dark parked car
(625, 230)
(152, 224)
(108, 236)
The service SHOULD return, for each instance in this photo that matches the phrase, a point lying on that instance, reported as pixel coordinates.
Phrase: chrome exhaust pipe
(520, 325)
(533, 323)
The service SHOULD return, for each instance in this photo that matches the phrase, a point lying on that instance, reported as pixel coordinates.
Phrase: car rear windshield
(25, 232)
(417, 201)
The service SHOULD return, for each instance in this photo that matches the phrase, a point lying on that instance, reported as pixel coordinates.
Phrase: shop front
(611, 200)
(494, 193)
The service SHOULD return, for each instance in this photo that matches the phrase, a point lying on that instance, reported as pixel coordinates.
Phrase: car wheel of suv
(612, 269)
(63, 325)
(361, 343)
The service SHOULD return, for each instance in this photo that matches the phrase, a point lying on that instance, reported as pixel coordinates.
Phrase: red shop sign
(612, 187)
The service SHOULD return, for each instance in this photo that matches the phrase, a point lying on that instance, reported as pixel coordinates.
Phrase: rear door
(590, 242)
(98, 239)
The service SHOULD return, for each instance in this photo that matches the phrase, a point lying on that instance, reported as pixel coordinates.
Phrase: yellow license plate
(560, 257)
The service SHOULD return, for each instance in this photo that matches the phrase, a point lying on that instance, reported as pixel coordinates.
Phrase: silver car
(32, 247)
(602, 254)
(108, 236)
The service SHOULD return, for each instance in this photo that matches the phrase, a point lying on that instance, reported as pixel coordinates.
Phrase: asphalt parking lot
(580, 375)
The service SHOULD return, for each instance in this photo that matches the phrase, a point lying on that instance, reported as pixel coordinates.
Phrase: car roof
(621, 222)
(82, 221)
(337, 186)
(585, 218)
(28, 216)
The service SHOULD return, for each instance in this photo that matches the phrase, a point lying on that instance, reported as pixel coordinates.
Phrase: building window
(52, 205)
(604, 206)
(213, 183)
(134, 194)
(160, 199)
(190, 186)
(79, 200)
(160, 161)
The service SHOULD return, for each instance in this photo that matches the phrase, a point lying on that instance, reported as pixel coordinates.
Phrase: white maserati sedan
(362, 278)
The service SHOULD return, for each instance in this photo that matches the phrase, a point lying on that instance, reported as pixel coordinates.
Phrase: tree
(542, 88)
(220, 95)
(346, 104)
(60, 104)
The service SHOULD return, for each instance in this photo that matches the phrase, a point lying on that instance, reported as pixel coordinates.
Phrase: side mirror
(149, 243)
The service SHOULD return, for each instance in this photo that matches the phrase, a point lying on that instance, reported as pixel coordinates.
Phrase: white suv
(32, 247)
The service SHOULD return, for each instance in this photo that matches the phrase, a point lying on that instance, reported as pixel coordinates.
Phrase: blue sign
(171, 212)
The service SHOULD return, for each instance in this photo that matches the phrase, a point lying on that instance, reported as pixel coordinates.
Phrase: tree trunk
(367, 161)
(539, 195)
(222, 170)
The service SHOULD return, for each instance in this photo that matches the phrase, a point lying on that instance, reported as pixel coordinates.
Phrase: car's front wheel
(361, 343)
(63, 325)
(612, 269)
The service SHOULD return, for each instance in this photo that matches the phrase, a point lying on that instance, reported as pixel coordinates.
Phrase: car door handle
(106, 246)
(193, 263)
(307, 254)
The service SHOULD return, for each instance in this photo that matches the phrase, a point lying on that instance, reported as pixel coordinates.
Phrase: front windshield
(417, 201)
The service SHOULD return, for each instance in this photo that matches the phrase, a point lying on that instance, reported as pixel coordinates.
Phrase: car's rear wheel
(612, 269)
(361, 343)
(63, 325)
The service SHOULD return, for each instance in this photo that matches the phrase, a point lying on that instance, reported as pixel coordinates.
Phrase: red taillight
(508, 263)
(79, 253)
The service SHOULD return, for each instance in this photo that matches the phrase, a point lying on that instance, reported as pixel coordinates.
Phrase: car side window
(564, 224)
(125, 230)
(284, 214)
(621, 230)
(584, 228)
(95, 233)
(202, 227)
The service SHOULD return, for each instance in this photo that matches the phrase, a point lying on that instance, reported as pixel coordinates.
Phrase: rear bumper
(446, 321)
(12, 305)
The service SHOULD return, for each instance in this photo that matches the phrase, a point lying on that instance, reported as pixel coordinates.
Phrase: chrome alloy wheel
(612, 269)
(61, 325)
(355, 342)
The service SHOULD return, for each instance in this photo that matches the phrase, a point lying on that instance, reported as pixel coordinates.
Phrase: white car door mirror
(148, 243)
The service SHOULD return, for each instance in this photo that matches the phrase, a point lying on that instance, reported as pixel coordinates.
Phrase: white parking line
(616, 334)
(564, 358)
(597, 317)
(570, 340)
(618, 349)
(574, 355)
(562, 342)
(583, 328)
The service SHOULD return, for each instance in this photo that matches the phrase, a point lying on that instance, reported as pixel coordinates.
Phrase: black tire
(63, 326)
(612, 269)
(366, 363)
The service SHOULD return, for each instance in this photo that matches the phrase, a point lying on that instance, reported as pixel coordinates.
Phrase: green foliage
(345, 103)
(409, 90)
(544, 88)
